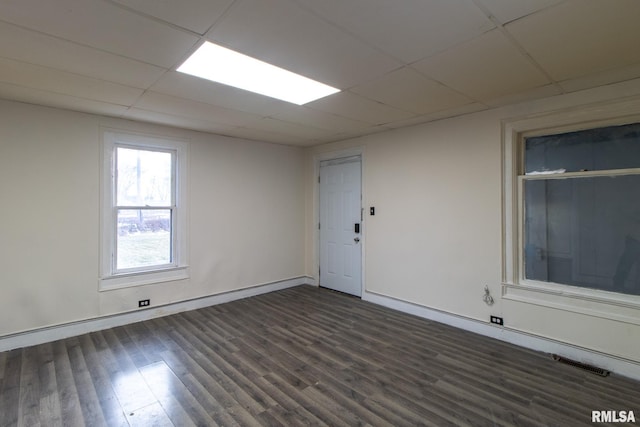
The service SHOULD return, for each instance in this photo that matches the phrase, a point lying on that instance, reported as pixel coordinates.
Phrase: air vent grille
(583, 366)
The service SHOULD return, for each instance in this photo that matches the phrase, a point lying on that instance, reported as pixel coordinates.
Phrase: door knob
(356, 239)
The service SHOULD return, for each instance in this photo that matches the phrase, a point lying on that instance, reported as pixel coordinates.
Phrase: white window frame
(110, 278)
(594, 302)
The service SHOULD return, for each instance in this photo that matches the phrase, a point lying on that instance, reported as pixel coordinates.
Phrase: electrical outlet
(144, 303)
(497, 320)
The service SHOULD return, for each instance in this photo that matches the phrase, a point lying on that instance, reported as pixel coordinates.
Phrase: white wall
(246, 217)
(436, 239)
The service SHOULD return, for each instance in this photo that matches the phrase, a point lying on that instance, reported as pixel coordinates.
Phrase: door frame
(317, 159)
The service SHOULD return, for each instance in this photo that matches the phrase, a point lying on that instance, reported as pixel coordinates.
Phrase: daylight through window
(144, 210)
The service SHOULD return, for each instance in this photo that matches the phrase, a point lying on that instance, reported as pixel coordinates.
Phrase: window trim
(515, 287)
(110, 278)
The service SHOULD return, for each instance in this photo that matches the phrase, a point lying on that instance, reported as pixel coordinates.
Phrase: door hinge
(318, 179)
(318, 226)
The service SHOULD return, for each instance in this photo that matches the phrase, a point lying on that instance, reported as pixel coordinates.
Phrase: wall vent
(583, 366)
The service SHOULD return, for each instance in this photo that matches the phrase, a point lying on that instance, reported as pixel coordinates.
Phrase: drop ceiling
(397, 62)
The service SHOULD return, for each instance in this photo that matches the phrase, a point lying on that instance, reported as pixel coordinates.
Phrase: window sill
(142, 278)
(596, 303)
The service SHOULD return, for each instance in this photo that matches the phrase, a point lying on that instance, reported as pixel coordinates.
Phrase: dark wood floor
(302, 356)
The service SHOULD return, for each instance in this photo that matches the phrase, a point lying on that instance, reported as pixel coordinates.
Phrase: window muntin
(580, 215)
(144, 209)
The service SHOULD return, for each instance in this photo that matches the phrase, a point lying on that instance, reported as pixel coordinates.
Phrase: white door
(340, 225)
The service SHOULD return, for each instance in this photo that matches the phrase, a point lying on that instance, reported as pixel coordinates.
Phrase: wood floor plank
(29, 389)
(328, 414)
(487, 408)
(277, 360)
(203, 387)
(150, 415)
(300, 356)
(331, 412)
(10, 390)
(131, 390)
(70, 409)
(129, 344)
(89, 401)
(146, 342)
(50, 414)
(3, 363)
(206, 325)
(179, 405)
(296, 417)
(227, 375)
(99, 364)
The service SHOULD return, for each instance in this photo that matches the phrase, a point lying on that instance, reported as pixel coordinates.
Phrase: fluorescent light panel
(222, 65)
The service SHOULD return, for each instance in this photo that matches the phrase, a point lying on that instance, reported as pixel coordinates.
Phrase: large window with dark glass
(580, 208)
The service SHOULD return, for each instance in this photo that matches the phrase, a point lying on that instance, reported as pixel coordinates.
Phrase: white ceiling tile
(356, 107)
(407, 29)
(317, 119)
(283, 34)
(279, 126)
(194, 15)
(409, 90)
(181, 107)
(486, 67)
(508, 10)
(527, 95)
(40, 49)
(363, 132)
(189, 122)
(602, 78)
(580, 37)
(57, 100)
(102, 56)
(438, 115)
(273, 137)
(197, 89)
(101, 25)
(47, 79)
(177, 121)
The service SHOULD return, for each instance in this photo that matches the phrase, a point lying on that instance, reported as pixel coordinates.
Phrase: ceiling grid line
(501, 27)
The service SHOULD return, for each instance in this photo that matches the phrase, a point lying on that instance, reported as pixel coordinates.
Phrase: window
(144, 210)
(580, 210)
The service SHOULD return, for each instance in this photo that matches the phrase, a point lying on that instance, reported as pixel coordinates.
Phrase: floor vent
(583, 366)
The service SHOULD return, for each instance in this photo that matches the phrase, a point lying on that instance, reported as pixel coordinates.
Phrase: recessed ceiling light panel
(222, 65)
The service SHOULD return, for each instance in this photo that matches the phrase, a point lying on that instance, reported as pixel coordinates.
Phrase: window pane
(613, 147)
(584, 232)
(144, 238)
(144, 177)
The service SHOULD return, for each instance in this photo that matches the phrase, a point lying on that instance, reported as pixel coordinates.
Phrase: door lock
(356, 239)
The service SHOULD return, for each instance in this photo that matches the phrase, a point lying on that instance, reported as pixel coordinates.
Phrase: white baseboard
(620, 366)
(53, 333)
